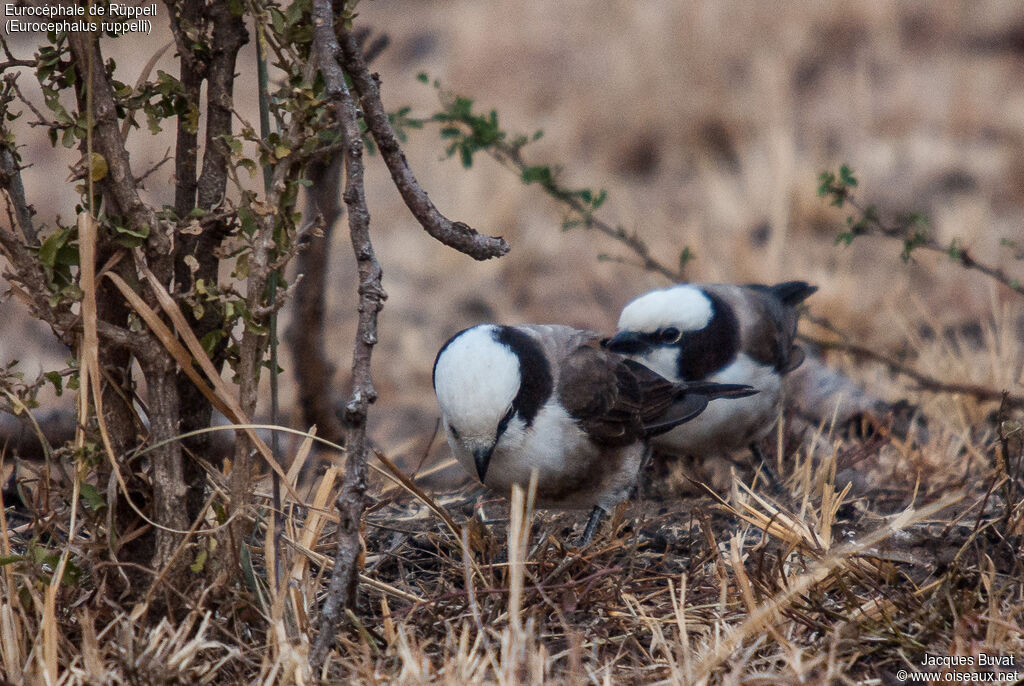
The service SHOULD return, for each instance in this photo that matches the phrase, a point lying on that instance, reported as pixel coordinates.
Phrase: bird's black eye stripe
(455, 434)
(670, 335)
(503, 424)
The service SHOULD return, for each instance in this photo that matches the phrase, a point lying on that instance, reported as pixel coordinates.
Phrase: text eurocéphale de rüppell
(117, 18)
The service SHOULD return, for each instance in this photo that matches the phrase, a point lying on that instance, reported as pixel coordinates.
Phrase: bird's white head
(683, 307)
(476, 378)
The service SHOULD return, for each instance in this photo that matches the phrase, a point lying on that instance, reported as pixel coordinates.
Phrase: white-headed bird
(724, 333)
(518, 399)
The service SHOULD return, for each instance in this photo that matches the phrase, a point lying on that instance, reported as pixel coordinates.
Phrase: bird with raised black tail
(724, 333)
(519, 399)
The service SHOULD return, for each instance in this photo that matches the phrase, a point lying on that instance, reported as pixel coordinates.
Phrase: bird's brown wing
(618, 401)
(602, 394)
(666, 405)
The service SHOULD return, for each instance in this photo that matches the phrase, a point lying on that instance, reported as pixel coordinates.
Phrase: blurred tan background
(707, 123)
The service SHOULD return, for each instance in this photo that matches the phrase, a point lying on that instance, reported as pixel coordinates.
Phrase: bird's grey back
(558, 341)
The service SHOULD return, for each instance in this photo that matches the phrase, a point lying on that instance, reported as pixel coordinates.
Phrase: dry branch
(314, 373)
(120, 184)
(453, 234)
(511, 156)
(924, 381)
(10, 180)
(341, 594)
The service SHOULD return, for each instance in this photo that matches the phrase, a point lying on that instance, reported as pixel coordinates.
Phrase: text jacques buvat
(115, 18)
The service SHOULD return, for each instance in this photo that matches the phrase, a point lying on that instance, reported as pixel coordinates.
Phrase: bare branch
(10, 181)
(166, 158)
(313, 371)
(453, 234)
(119, 184)
(924, 381)
(229, 35)
(12, 61)
(350, 502)
(12, 80)
(510, 156)
(871, 224)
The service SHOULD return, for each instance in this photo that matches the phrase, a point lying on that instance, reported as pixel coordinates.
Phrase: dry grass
(707, 122)
(813, 585)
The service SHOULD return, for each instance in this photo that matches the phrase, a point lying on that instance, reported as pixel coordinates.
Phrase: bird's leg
(596, 515)
(759, 460)
(637, 492)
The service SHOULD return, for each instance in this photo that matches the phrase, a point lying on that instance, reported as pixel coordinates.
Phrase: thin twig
(12, 61)
(925, 382)
(148, 172)
(511, 156)
(42, 120)
(453, 234)
(10, 180)
(871, 224)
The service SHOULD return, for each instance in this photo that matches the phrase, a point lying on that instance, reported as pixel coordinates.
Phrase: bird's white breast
(729, 423)
(553, 445)
(572, 471)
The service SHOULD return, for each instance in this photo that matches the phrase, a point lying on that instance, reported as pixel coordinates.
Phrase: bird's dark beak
(626, 343)
(482, 457)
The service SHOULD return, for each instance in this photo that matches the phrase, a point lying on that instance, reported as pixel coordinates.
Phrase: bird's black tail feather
(717, 390)
(693, 397)
(792, 292)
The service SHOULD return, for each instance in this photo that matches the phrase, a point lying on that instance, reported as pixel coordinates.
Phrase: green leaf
(466, 155)
(825, 181)
(846, 176)
(537, 174)
(210, 341)
(200, 561)
(685, 257)
(92, 497)
(954, 251)
(57, 380)
(141, 232)
(846, 237)
(249, 165)
(48, 250)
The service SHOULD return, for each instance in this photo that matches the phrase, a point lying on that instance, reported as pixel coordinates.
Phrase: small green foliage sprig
(911, 229)
(468, 132)
(12, 382)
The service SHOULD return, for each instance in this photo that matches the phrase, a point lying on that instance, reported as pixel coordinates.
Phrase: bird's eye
(503, 424)
(671, 335)
(455, 434)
